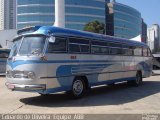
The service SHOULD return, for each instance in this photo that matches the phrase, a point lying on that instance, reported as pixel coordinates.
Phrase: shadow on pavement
(156, 74)
(108, 95)
(2, 76)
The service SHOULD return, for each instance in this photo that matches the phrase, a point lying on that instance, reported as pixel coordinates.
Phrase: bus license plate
(11, 86)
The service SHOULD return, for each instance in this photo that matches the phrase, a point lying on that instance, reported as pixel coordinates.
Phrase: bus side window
(99, 47)
(84, 48)
(115, 48)
(127, 50)
(145, 52)
(74, 48)
(60, 45)
(79, 45)
(96, 49)
(149, 52)
(115, 51)
(138, 51)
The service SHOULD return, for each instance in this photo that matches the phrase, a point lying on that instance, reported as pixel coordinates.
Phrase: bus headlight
(20, 74)
(31, 75)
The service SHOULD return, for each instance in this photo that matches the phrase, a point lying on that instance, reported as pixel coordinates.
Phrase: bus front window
(32, 45)
(15, 47)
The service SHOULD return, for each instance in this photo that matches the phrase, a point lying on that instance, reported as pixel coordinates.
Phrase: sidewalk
(156, 72)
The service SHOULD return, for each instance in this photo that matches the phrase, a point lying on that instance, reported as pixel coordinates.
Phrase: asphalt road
(115, 99)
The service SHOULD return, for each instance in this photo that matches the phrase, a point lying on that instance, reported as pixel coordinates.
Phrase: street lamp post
(7, 41)
(59, 13)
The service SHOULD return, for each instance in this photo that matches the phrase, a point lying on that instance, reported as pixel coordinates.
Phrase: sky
(149, 9)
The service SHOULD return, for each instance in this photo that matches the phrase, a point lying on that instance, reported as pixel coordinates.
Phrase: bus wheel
(78, 88)
(138, 79)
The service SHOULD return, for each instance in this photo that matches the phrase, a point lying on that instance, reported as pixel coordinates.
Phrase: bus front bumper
(25, 87)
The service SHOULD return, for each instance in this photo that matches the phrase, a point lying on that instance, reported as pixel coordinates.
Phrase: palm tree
(95, 26)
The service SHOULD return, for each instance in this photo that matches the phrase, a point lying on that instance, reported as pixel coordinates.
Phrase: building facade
(7, 37)
(1, 14)
(7, 14)
(123, 21)
(144, 32)
(153, 35)
(77, 12)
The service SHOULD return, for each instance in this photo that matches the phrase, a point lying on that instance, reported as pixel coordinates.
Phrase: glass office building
(77, 12)
(123, 21)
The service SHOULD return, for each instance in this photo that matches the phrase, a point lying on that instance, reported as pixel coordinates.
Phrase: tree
(0, 46)
(95, 26)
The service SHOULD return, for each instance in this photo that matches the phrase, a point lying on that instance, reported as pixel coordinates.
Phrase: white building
(153, 34)
(7, 14)
(7, 37)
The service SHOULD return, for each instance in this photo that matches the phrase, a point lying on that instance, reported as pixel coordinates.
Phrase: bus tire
(78, 88)
(138, 80)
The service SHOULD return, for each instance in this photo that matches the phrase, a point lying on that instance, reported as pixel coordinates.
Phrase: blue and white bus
(4, 53)
(50, 59)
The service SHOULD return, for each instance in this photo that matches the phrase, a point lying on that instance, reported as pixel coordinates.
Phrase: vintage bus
(52, 59)
(4, 53)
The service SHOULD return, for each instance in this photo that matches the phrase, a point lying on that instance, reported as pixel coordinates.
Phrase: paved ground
(112, 99)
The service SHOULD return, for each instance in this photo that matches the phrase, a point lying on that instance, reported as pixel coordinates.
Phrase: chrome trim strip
(26, 87)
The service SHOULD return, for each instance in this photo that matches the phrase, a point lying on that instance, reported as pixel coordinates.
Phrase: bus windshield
(14, 49)
(32, 45)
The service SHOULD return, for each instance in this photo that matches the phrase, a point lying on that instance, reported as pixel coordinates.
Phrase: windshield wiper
(36, 52)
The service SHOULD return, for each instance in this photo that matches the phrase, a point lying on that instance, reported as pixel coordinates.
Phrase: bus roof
(47, 30)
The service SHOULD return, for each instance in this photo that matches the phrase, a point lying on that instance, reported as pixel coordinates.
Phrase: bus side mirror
(52, 39)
